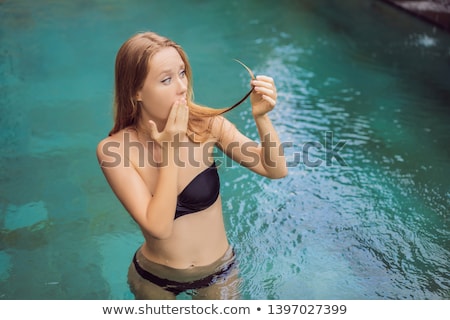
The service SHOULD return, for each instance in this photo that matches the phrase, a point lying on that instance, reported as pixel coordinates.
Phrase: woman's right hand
(175, 128)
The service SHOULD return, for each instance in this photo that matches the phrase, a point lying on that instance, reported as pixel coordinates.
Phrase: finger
(270, 100)
(173, 114)
(265, 78)
(258, 85)
(266, 91)
(261, 83)
(183, 115)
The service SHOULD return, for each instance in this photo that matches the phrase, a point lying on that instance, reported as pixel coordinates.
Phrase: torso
(198, 238)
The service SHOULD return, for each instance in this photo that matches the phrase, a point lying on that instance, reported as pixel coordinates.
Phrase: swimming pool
(359, 79)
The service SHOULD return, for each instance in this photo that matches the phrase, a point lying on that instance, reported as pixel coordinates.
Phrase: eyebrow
(182, 66)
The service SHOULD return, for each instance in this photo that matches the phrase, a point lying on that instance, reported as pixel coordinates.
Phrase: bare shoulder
(221, 127)
(112, 146)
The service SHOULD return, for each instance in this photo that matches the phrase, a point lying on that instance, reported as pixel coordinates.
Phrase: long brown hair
(130, 72)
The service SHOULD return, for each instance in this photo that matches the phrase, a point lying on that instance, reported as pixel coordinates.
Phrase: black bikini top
(200, 193)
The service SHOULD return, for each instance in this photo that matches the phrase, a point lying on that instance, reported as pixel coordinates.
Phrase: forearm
(272, 155)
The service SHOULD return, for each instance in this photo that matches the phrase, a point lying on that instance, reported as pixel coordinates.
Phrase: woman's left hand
(264, 95)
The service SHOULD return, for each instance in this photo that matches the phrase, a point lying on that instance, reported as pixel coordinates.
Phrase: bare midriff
(197, 239)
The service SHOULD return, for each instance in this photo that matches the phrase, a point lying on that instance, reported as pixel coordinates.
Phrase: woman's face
(165, 84)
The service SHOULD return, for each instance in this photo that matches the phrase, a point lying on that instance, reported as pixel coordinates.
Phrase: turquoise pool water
(357, 77)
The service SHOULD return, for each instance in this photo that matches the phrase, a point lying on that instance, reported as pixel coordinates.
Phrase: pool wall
(434, 11)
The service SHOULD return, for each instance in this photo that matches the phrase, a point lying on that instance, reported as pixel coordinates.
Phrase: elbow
(162, 236)
(276, 169)
(284, 173)
(160, 232)
(157, 225)
(279, 175)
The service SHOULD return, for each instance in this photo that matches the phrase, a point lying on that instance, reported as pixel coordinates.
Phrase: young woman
(158, 161)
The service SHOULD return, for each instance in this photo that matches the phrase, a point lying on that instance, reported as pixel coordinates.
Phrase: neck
(143, 126)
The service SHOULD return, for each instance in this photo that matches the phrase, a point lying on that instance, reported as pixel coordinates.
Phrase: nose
(182, 86)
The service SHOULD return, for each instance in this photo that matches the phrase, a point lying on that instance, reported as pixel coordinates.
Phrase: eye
(182, 73)
(166, 80)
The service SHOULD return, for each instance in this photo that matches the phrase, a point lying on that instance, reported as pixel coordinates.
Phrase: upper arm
(124, 179)
(237, 146)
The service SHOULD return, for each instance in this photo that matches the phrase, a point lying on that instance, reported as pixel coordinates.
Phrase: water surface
(355, 74)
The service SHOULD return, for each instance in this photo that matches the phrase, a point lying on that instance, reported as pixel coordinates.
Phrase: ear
(138, 96)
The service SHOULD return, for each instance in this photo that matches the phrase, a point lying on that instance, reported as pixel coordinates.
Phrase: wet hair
(131, 69)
